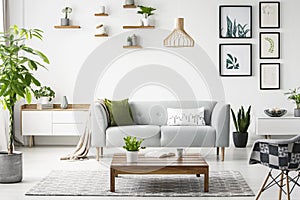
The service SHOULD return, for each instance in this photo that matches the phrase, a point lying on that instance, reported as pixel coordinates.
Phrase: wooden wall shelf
(67, 27)
(101, 14)
(133, 47)
(129, 6)
(136, 27)
(101, 35)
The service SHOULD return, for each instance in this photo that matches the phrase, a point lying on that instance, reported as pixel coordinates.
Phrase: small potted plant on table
(294, 95)
(132, 145)
(241, 123)
(146, 12)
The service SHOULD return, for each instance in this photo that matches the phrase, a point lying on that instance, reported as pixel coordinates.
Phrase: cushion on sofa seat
(188, 136)
(150, 134)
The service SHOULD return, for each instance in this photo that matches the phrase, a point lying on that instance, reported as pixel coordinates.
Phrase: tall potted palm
(18, 62)
(241, 123)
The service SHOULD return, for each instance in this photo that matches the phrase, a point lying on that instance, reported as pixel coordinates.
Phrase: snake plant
(242, 121)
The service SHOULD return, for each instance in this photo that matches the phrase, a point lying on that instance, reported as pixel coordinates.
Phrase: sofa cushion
(150, 134)
(119, 112)
(188, 136)
(186, 117)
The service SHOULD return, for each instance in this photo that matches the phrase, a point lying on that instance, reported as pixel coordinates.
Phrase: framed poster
(269, 45)
(269, 76)
(269, 14)
(235, 21)
(235, 59)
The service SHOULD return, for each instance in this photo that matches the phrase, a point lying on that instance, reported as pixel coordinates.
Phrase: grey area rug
(96, 183)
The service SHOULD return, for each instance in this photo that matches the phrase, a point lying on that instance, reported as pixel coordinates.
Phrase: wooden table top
(188, 160)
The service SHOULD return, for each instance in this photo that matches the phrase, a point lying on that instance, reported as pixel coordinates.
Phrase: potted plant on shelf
(66, 21)
(132, 145)
(18, 62)
(45, 94)
(241, 123)
(294, 95)
(146, 12)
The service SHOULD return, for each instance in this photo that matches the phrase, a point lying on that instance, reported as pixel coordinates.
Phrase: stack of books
(44, 106)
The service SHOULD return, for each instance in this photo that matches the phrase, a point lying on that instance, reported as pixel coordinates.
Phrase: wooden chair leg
(263, 186)
(223, 153)
(288, 186)
(218, 150)
(101, 151)
(281, 183)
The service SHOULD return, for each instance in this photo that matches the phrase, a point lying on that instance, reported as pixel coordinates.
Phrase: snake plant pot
(297, 112)
(64, 22)
(132, 156)
(240, 139)
(10, 167)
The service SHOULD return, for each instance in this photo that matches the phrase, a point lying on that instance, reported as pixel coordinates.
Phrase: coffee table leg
(206, 181)
(112, 180)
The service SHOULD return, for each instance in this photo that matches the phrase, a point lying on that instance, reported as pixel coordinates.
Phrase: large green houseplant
(241, 123)
(17, 81)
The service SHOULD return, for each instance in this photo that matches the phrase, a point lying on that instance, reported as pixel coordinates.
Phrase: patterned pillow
(186, 117)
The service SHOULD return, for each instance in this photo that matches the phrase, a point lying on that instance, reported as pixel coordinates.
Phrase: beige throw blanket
(84, 143)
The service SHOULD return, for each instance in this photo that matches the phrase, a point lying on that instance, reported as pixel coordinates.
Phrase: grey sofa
(151, 119)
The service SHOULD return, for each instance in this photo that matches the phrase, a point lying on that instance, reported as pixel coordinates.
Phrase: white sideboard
(53, 122)
(286, 125)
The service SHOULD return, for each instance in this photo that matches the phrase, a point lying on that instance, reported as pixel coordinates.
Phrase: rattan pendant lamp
(178, 37)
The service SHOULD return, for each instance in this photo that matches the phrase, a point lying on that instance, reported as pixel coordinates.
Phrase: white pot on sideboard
(44, 100)
(132, 156)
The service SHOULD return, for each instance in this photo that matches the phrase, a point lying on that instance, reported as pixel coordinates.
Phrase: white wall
(69, 49)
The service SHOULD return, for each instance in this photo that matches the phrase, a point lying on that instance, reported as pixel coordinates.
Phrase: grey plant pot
(297, 112)
(64, 22)
(240, 139)
(11, 167)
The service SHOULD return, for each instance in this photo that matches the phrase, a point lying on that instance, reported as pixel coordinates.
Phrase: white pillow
(186, 117)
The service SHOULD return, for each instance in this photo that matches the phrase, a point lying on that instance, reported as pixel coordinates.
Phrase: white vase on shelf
(64, 103)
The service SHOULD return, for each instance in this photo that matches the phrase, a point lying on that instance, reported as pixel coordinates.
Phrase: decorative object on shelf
(269, 14)
(134, 40)
(45, 94)
(66, 21)
(132, 145)
(146, 12)
(129, 2)
(21, 61)
(102, 9)
(178, 37)
(129, 41)
(235, 59)
(64, 103)
(241, 123)
(269, 45)
(102, 31)
(235, 21)
(294, 95)
(275, 112)
(269, 76)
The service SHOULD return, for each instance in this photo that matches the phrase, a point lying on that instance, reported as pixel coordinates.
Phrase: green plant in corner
(132, 144)
(294, 95)
(146, 11)
(242, 121)
(18, 62)
(232, 62)
(66, 10)
(44, 92)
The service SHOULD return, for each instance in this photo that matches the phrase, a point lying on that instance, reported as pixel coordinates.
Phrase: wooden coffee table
(188, 164)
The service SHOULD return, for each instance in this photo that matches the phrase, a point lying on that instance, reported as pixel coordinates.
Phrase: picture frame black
(238, 63)
(269, 76)
(269, 45)
(269, 14)
(239, 16)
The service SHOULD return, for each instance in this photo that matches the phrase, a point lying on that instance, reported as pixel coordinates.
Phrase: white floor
(39, 161)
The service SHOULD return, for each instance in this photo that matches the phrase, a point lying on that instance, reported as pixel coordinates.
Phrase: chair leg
(99, 152)
(288, 186)
(263, 186)
(281, 183)
(218, 150)
(223, 153)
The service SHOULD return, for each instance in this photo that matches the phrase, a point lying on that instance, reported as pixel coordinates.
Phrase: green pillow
(120, 112)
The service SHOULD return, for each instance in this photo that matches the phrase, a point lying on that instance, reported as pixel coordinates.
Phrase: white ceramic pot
(102, 9)
(132, 156)
(146, 21)
(129, 2)
(44, 100)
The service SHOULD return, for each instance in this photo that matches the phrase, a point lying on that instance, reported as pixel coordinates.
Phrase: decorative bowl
(275, 112)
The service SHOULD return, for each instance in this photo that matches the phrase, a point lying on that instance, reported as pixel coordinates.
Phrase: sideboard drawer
(69, 117)
(68, 129)
(278, 126)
